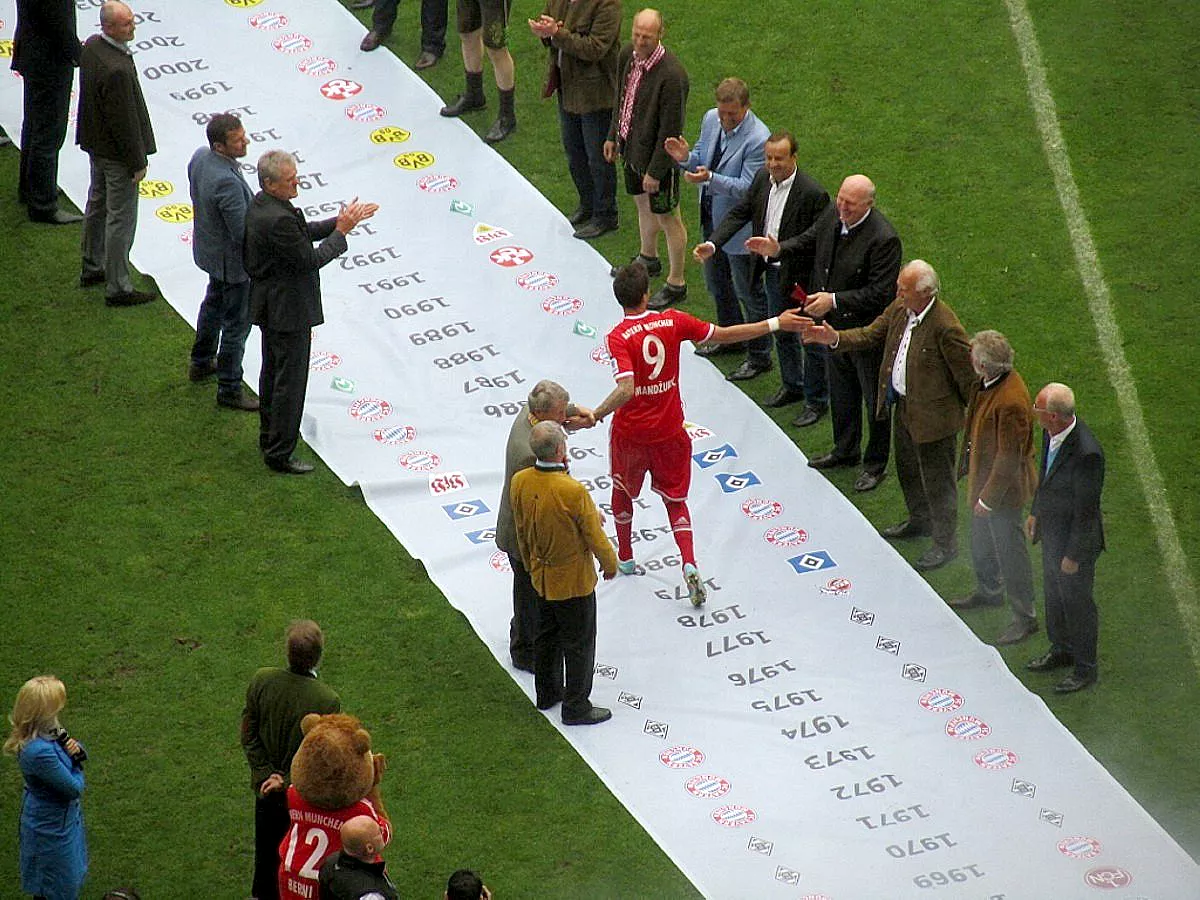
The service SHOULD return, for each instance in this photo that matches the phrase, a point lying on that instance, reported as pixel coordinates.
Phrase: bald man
(356, 872)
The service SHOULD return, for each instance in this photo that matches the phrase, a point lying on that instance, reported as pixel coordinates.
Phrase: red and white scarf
(638, 69)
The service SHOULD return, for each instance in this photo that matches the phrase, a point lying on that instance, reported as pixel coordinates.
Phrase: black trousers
(927, 476)
(434, 18)
(853, 382)
(566, 635)
(522, 630)
(1072, 620)
(47, 101)
(282, 385)
(270, 827)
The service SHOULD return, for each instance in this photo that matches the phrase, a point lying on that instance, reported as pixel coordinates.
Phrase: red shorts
(669, 463)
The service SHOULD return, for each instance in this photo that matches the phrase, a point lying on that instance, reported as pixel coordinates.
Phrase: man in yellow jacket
(560, 536)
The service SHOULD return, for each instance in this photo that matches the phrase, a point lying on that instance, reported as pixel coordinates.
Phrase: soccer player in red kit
(647, 433)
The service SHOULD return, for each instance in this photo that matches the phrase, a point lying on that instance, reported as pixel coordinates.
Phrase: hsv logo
(390, 134)
(696, 432)
(499, 562)
(174, 213)
(681, 757)
(150, 189)
(510, 257)
(464, 509)
(941, 700)
(707, 787)
(317, 66)
(600, 355)
(488, 234)
(968, 728)
(761, 508)
(369, 409)
(365, 112)
(785, 536)
(340, 89)
(419, 461)
(731, 484)
(559, 305)
(996, 758)
(1108, 878)
(437, 184)
(395, 435)
(836, 587)
(813, 561)
(320, 361)
(483, 536)
(733, 816)
(448, 483)
(707, 458)
(537, 281)
(268, 21)
(1079, 847)
(292, 43)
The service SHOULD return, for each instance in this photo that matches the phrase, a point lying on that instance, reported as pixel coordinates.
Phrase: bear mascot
(335, 777)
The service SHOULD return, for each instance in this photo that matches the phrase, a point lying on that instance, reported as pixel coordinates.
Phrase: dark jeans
(801, 367)
(522, 630)
(583, 137)
(221, 330)
(434, 18)
(1072, 620)
(270, 826)
(47, 100)
(927, 475)
(853, 381)
(282, 385)
(566, 635)
(1001, 560)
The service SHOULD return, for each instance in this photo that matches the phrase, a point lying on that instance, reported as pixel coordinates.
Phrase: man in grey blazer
(285, 298)
(220, 197)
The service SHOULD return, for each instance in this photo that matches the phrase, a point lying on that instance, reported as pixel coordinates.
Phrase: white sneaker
(695, 585)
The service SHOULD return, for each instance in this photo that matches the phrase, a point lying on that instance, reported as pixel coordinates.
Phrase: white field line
(1100, 304)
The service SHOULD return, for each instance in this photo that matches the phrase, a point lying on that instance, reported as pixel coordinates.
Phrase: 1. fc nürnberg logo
(370, 409)
(292, 43)
(941, 700)
(761, 508)
(681, 757)
(419, 461)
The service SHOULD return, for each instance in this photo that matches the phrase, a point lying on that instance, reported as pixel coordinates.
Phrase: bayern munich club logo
(733, 816)
(395, 435)
(968, 728)
(707, 787)
(1079, 847)
(437, 184)
(365, 112)
(941, 700)
(370, 409)
(761, 508)
(996, 758)
(317, 66)
(499, 562)
(785, 536)
(600, 355)
(268, 21)
(1108, 878)
(562, 306)
(292, 43)
(321, 361)
(537, 281)
(681, 757)
(419, 461)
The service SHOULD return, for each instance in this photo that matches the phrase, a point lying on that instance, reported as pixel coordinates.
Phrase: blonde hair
(37, 707)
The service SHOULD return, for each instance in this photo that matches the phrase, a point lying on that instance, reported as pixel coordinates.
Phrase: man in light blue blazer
(727, 156)
(220, 198)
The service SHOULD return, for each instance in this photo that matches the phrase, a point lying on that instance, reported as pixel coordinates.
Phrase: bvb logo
(175, 213)
(6, 49)
(242, 4)
(150, 189)
(390, 134)
(414, 160)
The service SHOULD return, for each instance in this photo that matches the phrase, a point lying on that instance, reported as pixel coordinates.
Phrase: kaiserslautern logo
(785, 536)
(562, 306)
(812, 561)
(340, 89)
(707, 787)
(499, 562)
(448, 483)
(292, 43)
(370, 409)
(488, 234)
(733, 816)
(732, 483)
(322, 361)
(419, 461)
(681, 757)
(968, 728)
(510, 257)
(996, 758)
(1108, 878)
(394, 435)
(836, 587)
(365, 112)
(537, 281)
(1079, 847)
(706, 458)
(268, 21)
(437, 184)
(941, 700)
(317, 66)
(465, 509)
(482, 536)
(761, 508)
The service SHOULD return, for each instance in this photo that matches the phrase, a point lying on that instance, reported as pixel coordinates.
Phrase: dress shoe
(868, 481)
(710, 350)
(811, 416)
(934, 558)
(427, 60)
(58, 217)
(500, 129)
(595, 716)
(975, 601)
(593, 229)
(1017, 632)
(829, 461)
(653, 265)
(1075, 682)
(579, 216)
(1049, 661)
(371, 42)
(131, 298)
(785, 396)
(238, 401)
(362, 4)
(201, 371)
(906, 529)
(747, 370)
(462, 105)
(290, 467)
(91, 279)
(667, 295)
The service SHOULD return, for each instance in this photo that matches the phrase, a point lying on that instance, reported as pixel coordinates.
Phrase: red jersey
(315, 834)
(646, 348)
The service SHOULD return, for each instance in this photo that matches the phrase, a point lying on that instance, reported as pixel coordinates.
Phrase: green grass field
(150, 561)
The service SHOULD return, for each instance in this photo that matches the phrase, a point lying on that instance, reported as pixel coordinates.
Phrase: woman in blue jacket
(53, 849)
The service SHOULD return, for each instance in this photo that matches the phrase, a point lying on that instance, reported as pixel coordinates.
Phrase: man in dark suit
(782, 202)
(113, 128)
(856, 257)
(651, 99)
(45, 53)
(926, 374)
(1066, 518)
(285, 298)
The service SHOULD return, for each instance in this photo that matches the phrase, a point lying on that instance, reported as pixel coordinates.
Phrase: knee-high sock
(681, 527)
(622, 508)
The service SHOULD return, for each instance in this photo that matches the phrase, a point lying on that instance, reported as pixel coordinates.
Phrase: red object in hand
(800, 296)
